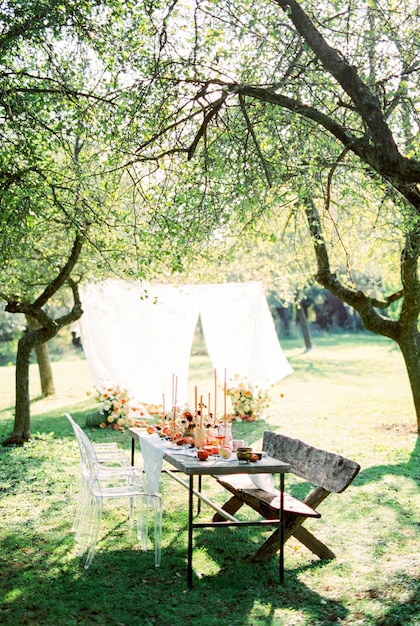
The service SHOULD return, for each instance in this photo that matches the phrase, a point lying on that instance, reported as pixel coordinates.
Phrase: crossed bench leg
(268, 505)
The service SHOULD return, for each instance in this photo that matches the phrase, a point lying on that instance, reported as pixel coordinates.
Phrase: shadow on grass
(408, 469)
(43, 581)
(48, 587)
(123, 587)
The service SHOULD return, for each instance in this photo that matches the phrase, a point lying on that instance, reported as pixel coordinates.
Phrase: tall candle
(173, 390)
(175, 399)
(201, 411)
(215, 398)
(224, 399)
(208, 410)
(196, 402)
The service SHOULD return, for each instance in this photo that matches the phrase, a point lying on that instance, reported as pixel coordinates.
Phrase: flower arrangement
(248, 400)
(117, 408)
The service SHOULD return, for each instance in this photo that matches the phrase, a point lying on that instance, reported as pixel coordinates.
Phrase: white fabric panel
(240, 333)
(140, 337)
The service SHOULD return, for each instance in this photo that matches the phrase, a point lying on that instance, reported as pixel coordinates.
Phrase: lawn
(349, 395)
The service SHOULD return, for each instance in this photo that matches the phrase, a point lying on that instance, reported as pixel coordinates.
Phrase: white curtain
(240, 334)
(140, 336)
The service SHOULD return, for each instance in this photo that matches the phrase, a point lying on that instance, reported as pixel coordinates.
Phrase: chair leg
(293, 528)
(153, 502)
(94, 530)
(158, 529)
(143, 522)
(272, 544)
(84, 527)
(80, 509)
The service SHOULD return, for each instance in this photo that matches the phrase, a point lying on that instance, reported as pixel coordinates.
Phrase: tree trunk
(404, 331)
(21, 432)
(43, 360)
(409, 343)
(48, 328)
(301, 318)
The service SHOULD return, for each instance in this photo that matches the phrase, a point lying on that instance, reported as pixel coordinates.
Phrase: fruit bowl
(244, 454)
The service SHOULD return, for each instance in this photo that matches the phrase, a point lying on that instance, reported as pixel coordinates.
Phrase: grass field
(350, 395)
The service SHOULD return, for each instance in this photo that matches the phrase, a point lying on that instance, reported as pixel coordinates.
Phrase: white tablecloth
(153, 450)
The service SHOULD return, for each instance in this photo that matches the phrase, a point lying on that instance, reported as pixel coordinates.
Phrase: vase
(200, 436)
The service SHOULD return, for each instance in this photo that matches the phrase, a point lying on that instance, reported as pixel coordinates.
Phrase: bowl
(244, 454)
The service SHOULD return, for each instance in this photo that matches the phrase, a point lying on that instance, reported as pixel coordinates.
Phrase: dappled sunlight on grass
(349, 395)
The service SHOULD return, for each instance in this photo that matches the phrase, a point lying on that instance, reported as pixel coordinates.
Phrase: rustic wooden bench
(326, 472)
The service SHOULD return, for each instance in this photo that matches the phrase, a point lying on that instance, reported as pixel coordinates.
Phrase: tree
(207, 119)
(75, 202)
(32, 338)
(316, 103)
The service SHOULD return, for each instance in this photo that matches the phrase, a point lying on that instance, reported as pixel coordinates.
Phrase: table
(192, 467)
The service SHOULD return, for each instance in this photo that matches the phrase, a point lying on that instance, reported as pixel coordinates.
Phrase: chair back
(88, 458)
(330, 471)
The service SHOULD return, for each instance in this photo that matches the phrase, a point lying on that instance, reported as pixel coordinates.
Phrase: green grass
(350, 395)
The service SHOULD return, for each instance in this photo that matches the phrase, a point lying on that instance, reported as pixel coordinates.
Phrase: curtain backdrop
(140, 335)
(240, 334)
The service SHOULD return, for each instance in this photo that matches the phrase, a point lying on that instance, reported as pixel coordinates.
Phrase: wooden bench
(326, 472)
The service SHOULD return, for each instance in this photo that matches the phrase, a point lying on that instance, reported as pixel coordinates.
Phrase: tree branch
(215, 108)
(254, 138)
(63, 275)
(360, 146)
(364, 305)
(16, 305)
(366, 103)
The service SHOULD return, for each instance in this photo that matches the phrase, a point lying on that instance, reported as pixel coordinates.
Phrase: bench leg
(269, 547)
(272, 545)
(231, 506)
(293, 527)
(313, 544)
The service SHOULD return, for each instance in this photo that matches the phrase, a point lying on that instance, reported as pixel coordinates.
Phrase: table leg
(190, 531)
(282, 522)
(133, 448)
(199, 489)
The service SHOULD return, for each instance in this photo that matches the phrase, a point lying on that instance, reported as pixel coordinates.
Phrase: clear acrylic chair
(109, 455)
(107, 481)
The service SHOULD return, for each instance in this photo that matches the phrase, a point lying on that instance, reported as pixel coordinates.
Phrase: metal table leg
(282, 522)
(133, 448)
(190, 531)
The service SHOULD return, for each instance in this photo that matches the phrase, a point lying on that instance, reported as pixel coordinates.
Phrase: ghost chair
(109, 455)
(101, 483)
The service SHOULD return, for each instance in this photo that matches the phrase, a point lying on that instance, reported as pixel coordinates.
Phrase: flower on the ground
(118, 409)
(248, 400)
